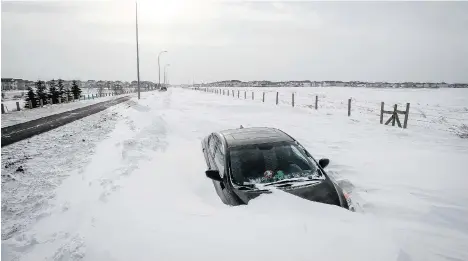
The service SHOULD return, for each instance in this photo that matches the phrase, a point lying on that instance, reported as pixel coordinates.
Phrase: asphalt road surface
(15, 133)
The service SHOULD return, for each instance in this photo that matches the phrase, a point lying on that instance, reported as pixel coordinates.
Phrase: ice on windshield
(265, 163)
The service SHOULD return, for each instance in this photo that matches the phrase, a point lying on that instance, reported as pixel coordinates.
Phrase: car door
(229, 197)
(217, 163)
(210, 151)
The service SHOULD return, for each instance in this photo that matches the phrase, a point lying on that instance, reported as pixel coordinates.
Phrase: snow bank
(144, 195)
(16, 117)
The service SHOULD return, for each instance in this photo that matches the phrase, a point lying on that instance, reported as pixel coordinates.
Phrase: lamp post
(165, 73)
(138, 54)
(159, 69)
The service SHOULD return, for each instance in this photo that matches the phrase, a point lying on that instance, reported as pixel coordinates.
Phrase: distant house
(9, 84)
(28, 84)
(20, 84)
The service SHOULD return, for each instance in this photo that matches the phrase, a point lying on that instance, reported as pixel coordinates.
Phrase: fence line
(318, 101)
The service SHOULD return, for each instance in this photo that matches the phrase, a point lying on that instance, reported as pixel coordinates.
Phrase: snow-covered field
(16, 117)
(128, 184)
(436, 109)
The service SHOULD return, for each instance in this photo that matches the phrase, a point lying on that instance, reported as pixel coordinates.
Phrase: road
(15, 133)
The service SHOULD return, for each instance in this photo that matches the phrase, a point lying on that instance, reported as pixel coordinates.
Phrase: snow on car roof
(254, 135)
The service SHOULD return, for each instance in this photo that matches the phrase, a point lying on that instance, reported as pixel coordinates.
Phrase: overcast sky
(210, 41)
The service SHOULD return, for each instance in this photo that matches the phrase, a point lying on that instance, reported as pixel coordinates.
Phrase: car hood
(321, 191)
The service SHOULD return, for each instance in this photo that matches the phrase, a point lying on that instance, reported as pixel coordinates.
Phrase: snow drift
(143, 194)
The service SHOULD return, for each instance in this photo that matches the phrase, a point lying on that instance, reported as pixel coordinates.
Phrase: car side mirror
(213, 174)
(324, 162)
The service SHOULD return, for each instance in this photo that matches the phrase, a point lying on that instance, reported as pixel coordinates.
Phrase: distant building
(9, 84)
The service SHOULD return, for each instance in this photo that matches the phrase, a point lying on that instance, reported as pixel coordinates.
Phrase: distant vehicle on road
(244, 163)
(163, 89)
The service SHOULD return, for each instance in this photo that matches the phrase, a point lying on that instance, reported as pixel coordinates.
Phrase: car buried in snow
(246, 162)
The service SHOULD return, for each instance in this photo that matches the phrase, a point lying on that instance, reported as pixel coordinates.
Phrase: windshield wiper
(286, 181)
(245, 187)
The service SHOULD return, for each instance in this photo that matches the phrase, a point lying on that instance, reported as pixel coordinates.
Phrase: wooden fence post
(394, 114)
(60, 99)
(41, 102)
(3, 108)
(316, 102)
(405, 123)
(276, 98)
(381, 112)
(252, 95)
(349, 107)
(30, 104)
(18, 106)
(292, 99)
(238, 94)
(232, 93)
(263, 99)
(245, 94)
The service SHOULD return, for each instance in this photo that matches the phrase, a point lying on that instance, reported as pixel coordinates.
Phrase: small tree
(31, 96)
(41, 91)
(61, 89)
(69, 94)
(53, 91)
(76, 89)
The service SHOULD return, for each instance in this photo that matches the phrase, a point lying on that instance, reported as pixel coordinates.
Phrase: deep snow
(142, 194)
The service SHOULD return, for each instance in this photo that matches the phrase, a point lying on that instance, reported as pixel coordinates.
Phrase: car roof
(254, 135)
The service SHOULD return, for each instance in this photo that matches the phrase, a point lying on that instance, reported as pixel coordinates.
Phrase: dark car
(246, 162)
(163, 89)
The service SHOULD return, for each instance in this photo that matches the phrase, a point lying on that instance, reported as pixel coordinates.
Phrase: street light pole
(159, 69)
(138, 53)
(165, 72)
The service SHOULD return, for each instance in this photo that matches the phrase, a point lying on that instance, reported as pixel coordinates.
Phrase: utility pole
(138, 53)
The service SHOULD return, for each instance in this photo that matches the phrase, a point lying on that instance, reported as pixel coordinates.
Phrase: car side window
(211, 144)
(219, 156)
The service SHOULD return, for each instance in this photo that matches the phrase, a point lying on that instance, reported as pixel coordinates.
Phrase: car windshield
(264, 163)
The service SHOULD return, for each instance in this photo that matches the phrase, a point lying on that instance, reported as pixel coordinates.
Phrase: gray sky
(210, 41)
